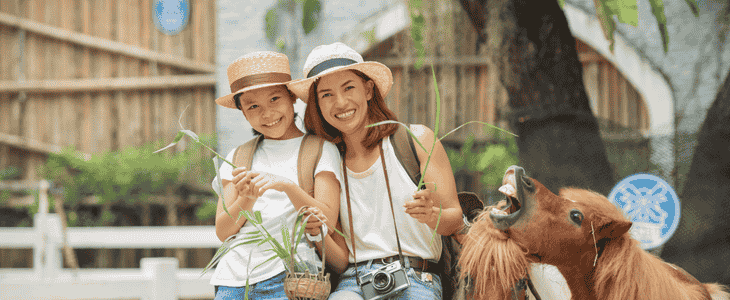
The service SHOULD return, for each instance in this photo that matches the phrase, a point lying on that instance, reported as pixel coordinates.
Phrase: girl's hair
(237, 100)
(377, 112)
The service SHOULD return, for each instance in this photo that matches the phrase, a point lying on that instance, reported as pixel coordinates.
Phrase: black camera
(384, 282)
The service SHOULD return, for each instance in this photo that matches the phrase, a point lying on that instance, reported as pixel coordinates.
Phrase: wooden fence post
(161, 274)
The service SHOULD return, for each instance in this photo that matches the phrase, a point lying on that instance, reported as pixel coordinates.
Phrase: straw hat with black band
(328, 59)
(254, 71)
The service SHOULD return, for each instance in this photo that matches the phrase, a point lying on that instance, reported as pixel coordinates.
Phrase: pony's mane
(490, 260)
(625, 271)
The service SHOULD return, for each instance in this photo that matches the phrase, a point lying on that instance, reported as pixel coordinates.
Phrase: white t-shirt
(276, 157)
(372, 216)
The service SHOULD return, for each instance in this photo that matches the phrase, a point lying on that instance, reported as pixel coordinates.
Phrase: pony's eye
(576, 216)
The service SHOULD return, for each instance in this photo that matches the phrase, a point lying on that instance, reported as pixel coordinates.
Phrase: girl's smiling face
(270, 111)
(343, 100)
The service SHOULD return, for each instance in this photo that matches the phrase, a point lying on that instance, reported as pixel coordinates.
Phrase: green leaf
(272, 24)
(627, 12)
(657, 9)
(561, 3)
(605, 17)
(418, 25)
(311, 14)
(693, 6)
(257, 215)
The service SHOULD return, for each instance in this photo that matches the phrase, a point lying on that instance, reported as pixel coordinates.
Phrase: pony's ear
(612, 229)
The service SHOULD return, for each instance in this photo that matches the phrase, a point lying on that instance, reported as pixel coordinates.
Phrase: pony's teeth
(496, 211)
(508, 190)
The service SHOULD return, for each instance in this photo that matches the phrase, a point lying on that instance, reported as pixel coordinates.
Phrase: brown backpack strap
(243, 157)
(309, 154)
(405, 151)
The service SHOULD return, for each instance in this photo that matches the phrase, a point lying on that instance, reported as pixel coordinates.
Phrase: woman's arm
(440, 174)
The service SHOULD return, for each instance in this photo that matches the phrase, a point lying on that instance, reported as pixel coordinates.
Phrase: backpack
(310, 152)
(470, 204)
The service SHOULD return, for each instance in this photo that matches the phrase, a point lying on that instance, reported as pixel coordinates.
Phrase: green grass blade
(178, 137)
(286, 236)
(436, 129)
(472, 122)
(402, 124)
(438, 222)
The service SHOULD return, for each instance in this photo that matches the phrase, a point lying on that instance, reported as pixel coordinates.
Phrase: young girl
(389, 217)
(258, 84)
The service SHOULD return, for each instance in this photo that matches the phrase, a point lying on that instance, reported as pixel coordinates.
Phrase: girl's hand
(242, 181)
(314, 225)
(421, 207)
(260, 182)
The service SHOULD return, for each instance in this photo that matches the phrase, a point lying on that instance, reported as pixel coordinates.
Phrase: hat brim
(378, 72)
(227, 100)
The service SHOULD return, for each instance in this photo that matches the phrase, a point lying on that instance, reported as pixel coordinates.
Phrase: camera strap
(349, 213)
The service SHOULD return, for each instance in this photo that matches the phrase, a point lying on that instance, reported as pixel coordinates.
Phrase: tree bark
(701, 244)
(559, 140)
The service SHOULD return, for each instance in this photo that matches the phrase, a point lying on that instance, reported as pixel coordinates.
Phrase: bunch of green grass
(260, 236)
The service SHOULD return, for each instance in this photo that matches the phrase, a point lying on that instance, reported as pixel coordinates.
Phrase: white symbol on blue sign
(651, 204)
(171, 16)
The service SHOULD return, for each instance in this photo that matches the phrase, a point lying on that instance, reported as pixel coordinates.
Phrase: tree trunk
(559, 140)
(701, 244)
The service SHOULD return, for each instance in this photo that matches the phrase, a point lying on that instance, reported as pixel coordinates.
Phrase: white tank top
(372, 218)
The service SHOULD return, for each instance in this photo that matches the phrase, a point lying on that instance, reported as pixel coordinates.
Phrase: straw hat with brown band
(328, 59)
(254, 71)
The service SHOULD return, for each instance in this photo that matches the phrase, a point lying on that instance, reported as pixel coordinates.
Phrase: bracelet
(314, 238)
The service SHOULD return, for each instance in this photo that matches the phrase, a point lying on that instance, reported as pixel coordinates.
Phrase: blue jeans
(426, 286)
(272, 288)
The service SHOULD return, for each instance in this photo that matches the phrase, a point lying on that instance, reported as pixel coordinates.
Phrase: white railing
(156, 279)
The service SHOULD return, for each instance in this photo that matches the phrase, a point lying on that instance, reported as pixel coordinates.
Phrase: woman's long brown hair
(377, 111)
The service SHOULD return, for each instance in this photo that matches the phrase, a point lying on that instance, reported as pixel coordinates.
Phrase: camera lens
(382, 282)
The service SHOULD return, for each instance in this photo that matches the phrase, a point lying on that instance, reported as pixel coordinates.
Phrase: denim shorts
(272, 288)
(426, 286)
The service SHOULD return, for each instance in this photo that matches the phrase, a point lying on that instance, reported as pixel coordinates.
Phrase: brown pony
(581, 233)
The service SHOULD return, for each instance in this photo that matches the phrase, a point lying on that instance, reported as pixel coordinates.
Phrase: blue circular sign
(652, 206)
(171, 16)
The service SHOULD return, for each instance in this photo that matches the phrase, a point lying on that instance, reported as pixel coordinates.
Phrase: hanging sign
(651, 204)
(171, 16)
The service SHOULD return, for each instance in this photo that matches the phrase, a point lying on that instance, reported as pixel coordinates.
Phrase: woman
(390, 218)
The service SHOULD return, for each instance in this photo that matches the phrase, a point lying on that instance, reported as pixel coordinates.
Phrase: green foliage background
(131, 176)
(490, 160)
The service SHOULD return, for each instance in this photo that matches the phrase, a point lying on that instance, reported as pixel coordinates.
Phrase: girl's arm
(235, 200)
(326, 191)
(441, 175)
(337, 252)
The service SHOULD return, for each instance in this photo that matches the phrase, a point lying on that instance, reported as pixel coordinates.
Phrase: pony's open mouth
(510, 194)
(515, 187)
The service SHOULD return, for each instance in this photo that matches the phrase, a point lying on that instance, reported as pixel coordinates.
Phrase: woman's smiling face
(270, 111)
(343, 99)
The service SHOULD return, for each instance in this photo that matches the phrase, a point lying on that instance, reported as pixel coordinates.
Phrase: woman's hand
(314, 224)
(421, 207)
